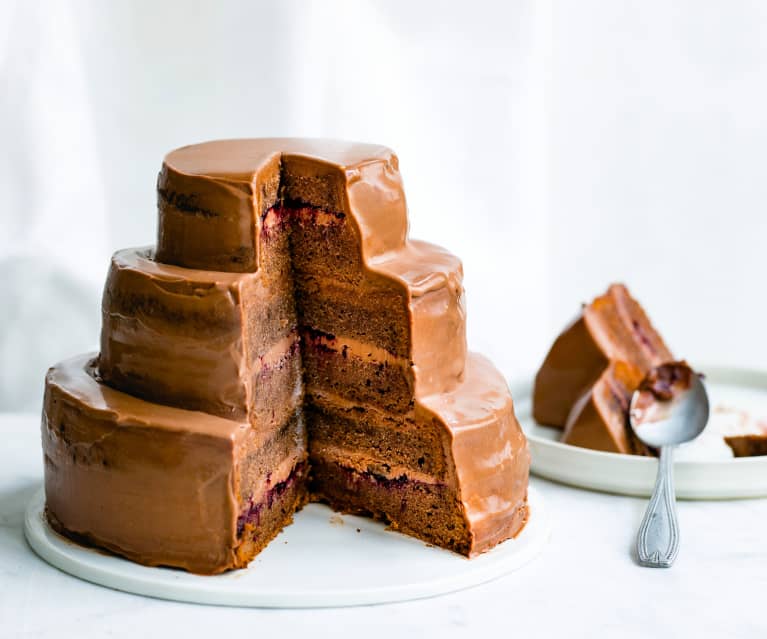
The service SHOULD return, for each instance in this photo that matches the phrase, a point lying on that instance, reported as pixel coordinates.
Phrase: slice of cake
(284, 341)
(587, 379)
(614, 327)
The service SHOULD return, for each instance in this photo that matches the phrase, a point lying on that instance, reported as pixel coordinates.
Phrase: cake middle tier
(222, 343)
(237, 344)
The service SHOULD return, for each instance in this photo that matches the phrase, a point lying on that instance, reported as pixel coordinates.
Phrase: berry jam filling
(319, 340)
(252, 512)
(644, 338)
(278, 217)
(354, 477)
(280, 363)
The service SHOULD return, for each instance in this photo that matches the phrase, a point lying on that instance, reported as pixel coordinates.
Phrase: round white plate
(703, 469)
(323, 559)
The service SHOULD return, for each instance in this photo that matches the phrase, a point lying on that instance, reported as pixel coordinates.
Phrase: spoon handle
(658, 537)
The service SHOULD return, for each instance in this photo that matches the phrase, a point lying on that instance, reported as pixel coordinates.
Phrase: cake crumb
(337, 520)
(358, 530)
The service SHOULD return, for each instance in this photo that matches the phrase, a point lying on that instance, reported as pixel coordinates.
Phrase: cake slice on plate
(585, 383)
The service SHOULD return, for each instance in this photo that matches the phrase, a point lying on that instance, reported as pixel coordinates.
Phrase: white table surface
(584, 585)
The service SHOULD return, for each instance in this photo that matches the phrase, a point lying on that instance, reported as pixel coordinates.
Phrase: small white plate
(323, 559)
(703, 469)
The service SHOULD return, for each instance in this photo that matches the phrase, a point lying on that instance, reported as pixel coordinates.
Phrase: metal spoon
(663, 417)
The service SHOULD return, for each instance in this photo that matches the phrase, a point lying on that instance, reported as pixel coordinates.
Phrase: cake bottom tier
(253, 534)
(164, 486)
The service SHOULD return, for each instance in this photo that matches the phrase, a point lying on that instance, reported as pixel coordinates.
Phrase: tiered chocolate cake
(284, 341)
(585, 383)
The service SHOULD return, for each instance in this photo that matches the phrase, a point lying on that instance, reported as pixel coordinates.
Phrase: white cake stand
(323, 559)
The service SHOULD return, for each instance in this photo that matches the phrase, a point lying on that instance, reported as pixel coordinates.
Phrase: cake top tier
(241, 160)
(213, 197)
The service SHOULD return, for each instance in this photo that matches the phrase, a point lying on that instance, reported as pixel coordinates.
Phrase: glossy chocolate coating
(214, 201)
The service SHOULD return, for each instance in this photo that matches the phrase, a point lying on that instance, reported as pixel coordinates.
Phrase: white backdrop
(554, 146)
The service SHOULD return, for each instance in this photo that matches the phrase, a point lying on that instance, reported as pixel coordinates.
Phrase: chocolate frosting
(107, 454)
(213, 201)
(179, 330)
(488, 448)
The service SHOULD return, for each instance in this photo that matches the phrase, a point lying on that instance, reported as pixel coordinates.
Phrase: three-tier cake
(284, 341)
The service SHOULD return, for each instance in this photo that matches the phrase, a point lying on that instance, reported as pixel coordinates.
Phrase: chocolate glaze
(107, 454)
(214, 201)
(174, 335)
(489, 451)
